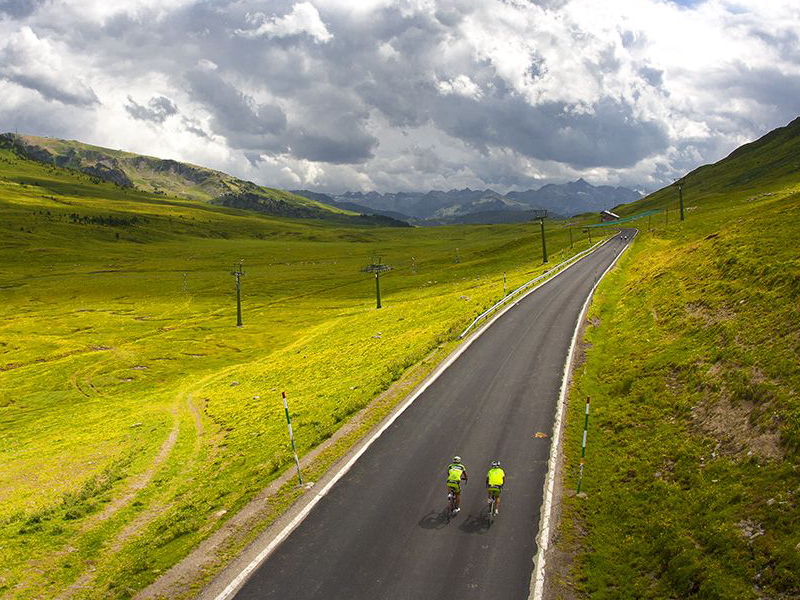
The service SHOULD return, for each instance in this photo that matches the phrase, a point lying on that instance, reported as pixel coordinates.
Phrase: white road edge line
(537, 581)
(239, 580)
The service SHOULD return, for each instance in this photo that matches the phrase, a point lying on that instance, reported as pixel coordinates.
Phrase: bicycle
(449, 510)
(492, 512)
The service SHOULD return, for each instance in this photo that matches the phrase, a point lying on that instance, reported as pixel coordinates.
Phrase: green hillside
(692, 476)
(769, 164)
(171, 178)
(136, 419)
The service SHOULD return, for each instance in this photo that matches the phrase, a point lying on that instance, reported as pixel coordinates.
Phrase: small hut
(607, 216)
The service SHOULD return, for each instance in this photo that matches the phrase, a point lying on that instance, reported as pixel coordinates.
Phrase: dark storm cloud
(364, 90)
(33, 63)
(156, 111)
(79, 95)
(328, 130)
(40, 119)
(402, 88)
(331, 126)
(786, 41)
(346, 147)
(193, 127)
(652, 76)
(775, 92)
(19, 9)
(235, 115)
(609, 137)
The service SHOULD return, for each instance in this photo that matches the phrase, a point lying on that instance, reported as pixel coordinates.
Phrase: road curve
(380, 534)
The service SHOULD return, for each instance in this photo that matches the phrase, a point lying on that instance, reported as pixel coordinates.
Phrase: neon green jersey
(496, 476)
(455, 473)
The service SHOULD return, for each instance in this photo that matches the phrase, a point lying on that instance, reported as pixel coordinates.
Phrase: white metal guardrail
(524, 286)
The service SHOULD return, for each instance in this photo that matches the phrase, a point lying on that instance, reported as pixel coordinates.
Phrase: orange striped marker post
(583, 447)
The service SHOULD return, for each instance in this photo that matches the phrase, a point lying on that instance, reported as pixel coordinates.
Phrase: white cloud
(461, 85)
(37, 64)
(303, 18)
(408, 94)
(207, 65)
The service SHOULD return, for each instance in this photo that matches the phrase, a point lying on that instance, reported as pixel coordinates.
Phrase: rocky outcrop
(108, 172)
(186, 171)
(270, 206)
(90, 162)
(16, 143)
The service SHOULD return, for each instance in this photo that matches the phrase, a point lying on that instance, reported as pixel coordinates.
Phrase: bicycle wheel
(490, 515)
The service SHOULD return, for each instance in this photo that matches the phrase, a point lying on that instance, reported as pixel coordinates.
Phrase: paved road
(379, 532)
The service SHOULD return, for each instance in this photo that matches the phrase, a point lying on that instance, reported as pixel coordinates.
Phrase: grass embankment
(135, 418)
(692, 478)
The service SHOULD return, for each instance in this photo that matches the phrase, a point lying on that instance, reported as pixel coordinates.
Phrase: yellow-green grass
(135, 418)
(692, 479)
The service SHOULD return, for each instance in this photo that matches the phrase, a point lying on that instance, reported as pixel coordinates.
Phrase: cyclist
(456, 471)
(494, 483)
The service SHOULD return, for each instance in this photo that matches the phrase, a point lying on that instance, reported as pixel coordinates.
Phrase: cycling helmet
(457, 459)
(495, 463)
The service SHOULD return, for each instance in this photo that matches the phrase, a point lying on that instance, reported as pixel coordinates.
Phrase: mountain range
(183, 180)
(481, 206)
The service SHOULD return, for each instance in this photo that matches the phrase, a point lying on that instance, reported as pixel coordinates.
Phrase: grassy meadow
(692, 476)
(135, 418)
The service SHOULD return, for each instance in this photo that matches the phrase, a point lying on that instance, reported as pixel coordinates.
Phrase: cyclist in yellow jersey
(494, 483)
(456, 472)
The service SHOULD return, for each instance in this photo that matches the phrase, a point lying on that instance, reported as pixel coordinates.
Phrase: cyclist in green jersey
(456, 472)
(494, 483)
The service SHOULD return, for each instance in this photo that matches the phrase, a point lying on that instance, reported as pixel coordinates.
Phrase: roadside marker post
(583, 446)
(291, 436)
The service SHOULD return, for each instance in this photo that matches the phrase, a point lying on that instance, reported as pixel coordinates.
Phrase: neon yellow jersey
(455, 473)
(496, 476)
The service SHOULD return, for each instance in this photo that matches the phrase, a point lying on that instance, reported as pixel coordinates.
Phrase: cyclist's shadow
(433, 520)
(474, 524)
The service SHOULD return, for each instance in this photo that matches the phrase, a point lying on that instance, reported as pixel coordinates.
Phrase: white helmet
(495, 463)
(457, 459)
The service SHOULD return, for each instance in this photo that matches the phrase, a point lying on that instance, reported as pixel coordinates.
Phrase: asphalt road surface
(380, 532)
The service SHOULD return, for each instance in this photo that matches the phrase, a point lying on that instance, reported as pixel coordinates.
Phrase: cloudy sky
(386, 95)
